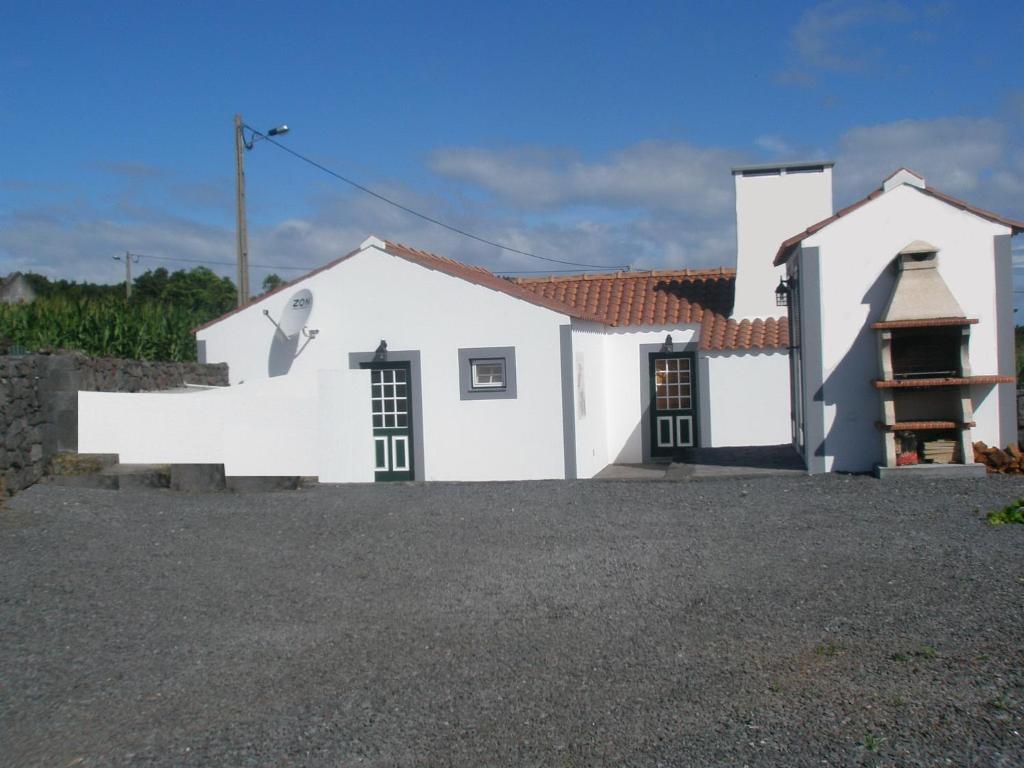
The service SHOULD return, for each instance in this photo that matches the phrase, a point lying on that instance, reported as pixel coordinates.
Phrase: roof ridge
(789, 245)
(431, 255)
(485, 278)
(623, 275)
(903, 168)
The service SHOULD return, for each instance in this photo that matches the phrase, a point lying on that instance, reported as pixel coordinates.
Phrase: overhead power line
(222, 263)
(425, 217)
(548, 271)
(310, 269)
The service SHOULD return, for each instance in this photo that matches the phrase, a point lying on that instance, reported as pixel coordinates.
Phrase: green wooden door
(673, 403)
(391, 406)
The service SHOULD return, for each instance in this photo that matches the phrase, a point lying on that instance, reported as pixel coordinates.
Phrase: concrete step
(140, 475)
(81, 470)
(95, 480)
(72, 463)
(102, 470)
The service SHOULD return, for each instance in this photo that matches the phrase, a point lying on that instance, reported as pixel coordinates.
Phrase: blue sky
(594, 132)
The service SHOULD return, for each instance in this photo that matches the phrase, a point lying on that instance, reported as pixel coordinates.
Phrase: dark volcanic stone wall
(39, 402)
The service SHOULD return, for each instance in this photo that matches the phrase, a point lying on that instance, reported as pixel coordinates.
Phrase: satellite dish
(296, 312)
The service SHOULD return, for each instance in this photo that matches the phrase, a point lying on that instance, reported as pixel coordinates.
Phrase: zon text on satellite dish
(296, 312)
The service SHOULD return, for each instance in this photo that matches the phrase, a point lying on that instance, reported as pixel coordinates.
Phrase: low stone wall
(39, 402)
(1020, 416)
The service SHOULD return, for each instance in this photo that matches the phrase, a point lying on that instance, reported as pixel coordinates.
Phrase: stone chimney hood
(920, 292)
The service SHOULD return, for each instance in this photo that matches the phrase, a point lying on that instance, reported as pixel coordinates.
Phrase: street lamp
(243, 236)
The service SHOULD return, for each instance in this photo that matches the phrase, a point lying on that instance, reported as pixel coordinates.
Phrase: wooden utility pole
(128, 257)
(243, 236)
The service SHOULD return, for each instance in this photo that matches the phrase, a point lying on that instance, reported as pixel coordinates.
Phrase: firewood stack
(998, 461)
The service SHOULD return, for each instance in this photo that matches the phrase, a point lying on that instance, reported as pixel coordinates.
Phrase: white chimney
(773, 202)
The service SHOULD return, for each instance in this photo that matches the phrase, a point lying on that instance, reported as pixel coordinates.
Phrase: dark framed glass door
(673, 411)
(391, 408)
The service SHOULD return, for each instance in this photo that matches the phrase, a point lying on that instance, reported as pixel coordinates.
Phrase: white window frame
(477, 383)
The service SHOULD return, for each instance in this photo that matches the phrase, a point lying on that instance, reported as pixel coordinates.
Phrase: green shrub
(104, 326)
(1011, 513)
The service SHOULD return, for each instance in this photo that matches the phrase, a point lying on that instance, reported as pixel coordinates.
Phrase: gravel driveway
(777, 621)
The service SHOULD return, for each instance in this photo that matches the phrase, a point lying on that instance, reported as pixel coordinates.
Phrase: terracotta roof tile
(486, 278)
(459, 269)
(657, 297)
(723, 334)
(670, 297)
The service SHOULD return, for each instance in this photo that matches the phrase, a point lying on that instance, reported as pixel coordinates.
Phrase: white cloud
(130, 169)
(970, 157)
(842, 36)
(658, 175)
(651, 204)
(347, 219)
(79, 243)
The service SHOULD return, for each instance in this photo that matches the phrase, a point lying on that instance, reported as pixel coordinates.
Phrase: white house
(394, 363)
(902, 321)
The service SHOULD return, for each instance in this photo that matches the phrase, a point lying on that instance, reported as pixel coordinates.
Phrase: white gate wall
(315, 426)
(748, 399)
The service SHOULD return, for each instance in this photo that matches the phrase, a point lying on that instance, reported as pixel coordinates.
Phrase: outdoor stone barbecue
(925, 384)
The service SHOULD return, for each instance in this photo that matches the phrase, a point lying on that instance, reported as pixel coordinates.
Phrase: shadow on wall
(853, 439)
(637, 446)
(284, 350)
(630, 453)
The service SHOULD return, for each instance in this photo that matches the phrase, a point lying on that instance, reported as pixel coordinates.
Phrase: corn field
(103, 326)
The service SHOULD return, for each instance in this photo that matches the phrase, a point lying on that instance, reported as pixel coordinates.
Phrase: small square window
(488, 373)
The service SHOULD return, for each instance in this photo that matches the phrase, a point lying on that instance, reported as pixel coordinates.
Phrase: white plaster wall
(856, 283)
(262, 428)
(270, 427)
(373, 296)
(770, 209)
(589, 395)
(153, 428)
(345, 437)
(748, 399)
(623, 385)
(295, 425)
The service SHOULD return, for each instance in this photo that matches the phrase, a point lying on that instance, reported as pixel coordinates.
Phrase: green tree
(155, 325)
(68, 289)
(272, 282)
(199, 289)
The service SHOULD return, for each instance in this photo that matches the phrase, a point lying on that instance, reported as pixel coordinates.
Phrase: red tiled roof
(720, 333)
(789, 245)
(469, 272)
(661, 297)
(902, 168)
(486, 278)
(676, 297)
(658, 297)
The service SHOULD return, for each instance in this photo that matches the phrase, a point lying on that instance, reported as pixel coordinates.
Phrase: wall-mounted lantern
(784, 291)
